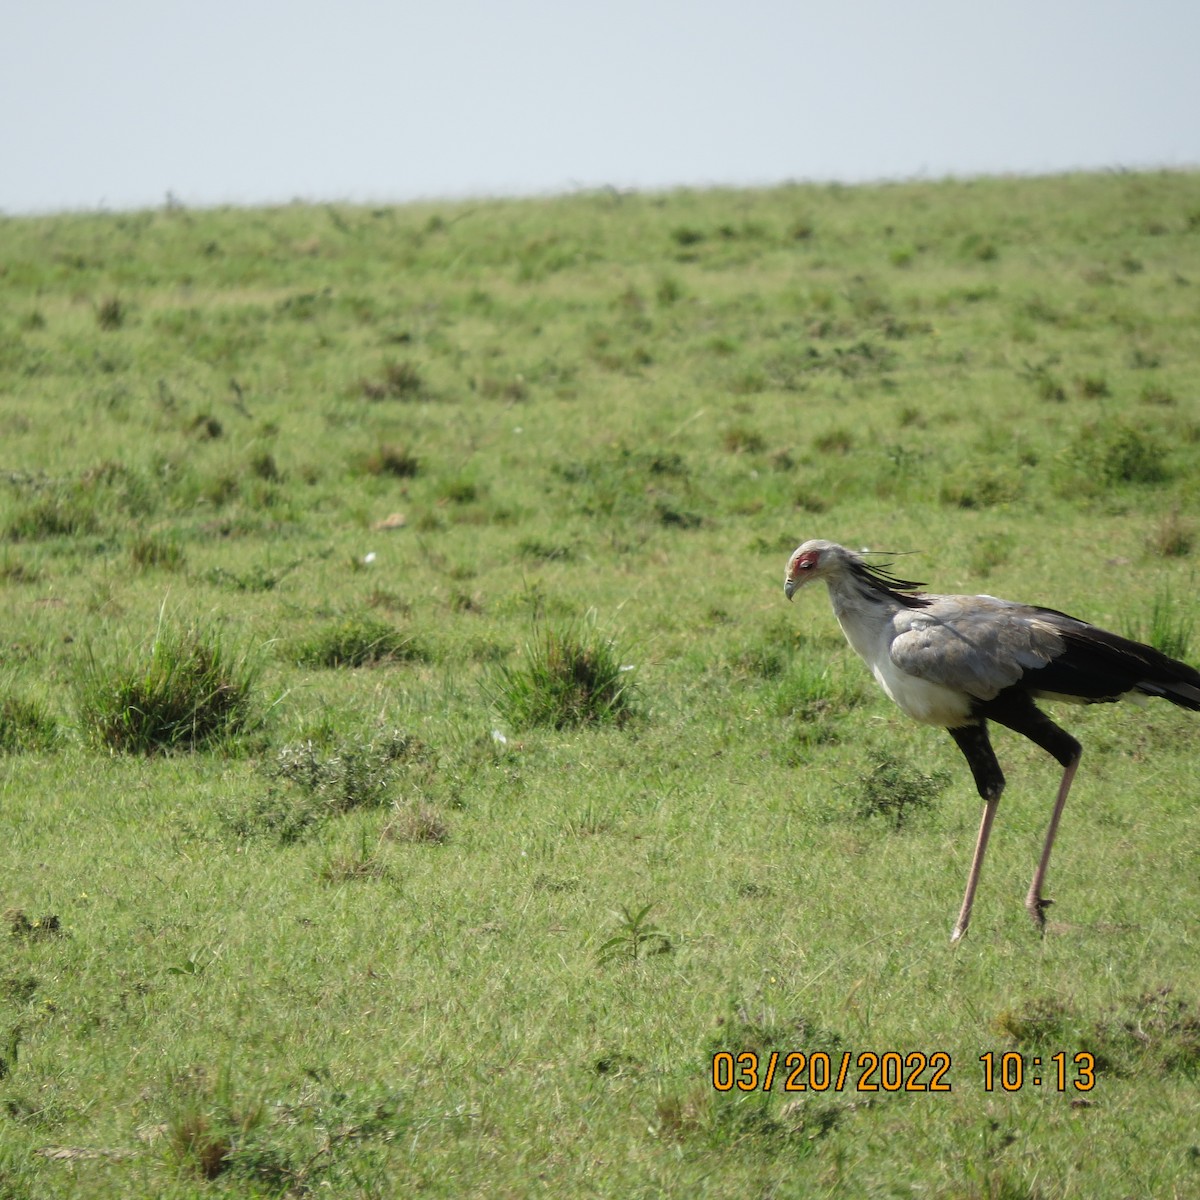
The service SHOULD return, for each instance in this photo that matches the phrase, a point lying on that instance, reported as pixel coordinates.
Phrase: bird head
(817, 559)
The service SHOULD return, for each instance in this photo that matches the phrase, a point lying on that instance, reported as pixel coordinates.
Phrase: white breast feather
(922, 699)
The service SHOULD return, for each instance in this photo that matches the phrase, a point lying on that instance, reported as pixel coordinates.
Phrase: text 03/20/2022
(892, 1071)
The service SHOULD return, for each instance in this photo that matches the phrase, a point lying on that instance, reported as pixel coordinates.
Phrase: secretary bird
(961, 661)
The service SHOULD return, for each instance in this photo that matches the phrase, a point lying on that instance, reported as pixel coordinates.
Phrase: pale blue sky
(115, 103)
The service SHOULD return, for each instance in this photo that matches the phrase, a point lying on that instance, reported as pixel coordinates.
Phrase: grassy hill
(412, 775)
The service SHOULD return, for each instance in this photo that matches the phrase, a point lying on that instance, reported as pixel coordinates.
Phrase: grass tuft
(1174, 536)
(569, 677)
(190, 692)
(61, 514)
(355, 640)
(156, 551)
(398, 381)
(110, 314)
(25, 725)
(389, 459)
(1168, 627)
(416, 823)
(205, 1128)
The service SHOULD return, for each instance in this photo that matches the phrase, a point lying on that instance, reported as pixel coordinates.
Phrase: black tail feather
(1097, 665)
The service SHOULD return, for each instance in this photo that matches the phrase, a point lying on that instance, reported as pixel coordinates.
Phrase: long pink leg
(1035, 905)
(985, 831)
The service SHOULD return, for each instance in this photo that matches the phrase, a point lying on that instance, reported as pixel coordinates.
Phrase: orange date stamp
(819, 1071)
(892, 1071)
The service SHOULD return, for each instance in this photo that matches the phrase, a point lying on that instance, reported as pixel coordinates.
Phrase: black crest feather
(881, 577)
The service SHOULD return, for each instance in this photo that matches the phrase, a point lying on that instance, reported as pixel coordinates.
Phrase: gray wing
(976, 644)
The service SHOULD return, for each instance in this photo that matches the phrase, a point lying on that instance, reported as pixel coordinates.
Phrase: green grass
(393, 897)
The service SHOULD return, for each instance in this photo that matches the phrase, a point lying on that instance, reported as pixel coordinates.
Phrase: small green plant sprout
(189, 966)
(569, 677)
(635, 937)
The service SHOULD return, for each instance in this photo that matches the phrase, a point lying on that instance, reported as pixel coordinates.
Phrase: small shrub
(1039, 1022)
(807, 500)
(345, 868)
(315, 779)
(1157, 1029)
(1102, 457)
(190, 692)
(363, 862)
(979, 247)
(1155, 1033)
(894, 790)
(356, 640)
(568, 678)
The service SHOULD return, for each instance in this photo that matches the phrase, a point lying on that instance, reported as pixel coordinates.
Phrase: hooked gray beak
(789, 588)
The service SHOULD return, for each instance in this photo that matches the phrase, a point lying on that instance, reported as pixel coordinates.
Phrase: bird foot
(1036, 907)
(958, 934)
